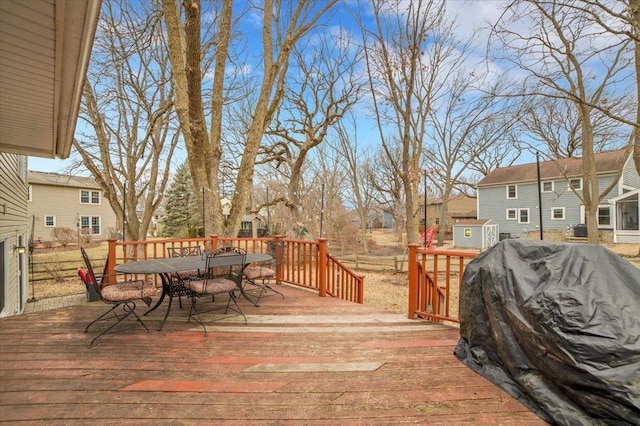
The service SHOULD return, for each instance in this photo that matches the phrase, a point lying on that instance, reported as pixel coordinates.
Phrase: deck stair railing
(434, 283)
(306, 263)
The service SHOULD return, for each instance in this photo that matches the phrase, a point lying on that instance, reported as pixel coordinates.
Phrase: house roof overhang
(45, 47)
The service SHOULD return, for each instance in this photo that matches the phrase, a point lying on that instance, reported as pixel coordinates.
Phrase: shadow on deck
(301, 360)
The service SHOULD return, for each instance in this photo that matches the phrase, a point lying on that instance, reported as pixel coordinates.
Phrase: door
(491, 235)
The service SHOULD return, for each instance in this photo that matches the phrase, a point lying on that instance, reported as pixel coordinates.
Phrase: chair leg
(263, 288)
(128, 307)
(232, 297)
(197, 314)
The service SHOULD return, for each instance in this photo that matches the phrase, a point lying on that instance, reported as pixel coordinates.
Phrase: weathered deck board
(301, 360)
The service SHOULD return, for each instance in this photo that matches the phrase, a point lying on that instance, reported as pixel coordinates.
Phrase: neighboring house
(459, 207)
(379, 219)
(509, 196)
(45, 47)
(63, 201)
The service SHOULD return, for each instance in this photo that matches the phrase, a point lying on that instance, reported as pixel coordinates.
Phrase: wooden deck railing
(434, 283)
(305, 263)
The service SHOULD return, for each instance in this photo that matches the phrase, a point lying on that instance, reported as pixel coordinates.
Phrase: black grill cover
(557, 326)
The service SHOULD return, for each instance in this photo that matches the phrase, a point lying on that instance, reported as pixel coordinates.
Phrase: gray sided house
(509, 196)
(45, 47)
(72, 202)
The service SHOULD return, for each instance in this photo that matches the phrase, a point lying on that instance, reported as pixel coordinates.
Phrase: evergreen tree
(182, 214)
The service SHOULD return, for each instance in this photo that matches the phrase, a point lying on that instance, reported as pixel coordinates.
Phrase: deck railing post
(279, 256)
(111, 261)
(361, 289)
(214, 243)
(413, 281)
(322, 267)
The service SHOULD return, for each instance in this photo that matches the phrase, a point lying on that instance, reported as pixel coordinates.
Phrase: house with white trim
(45, 47)
(509, 196)
(72, 202)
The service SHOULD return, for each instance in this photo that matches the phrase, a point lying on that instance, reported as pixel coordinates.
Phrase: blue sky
(469, 15)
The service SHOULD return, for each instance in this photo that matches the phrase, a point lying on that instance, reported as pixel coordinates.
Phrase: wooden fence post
(111, 261)
(413, 281)
(322, 267)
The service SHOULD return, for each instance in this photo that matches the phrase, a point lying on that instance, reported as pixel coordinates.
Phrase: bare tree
(400, 66)
(469, 116)
(283, 25)
(128, 140)
(388, 184)
(316, 98)
(358, 170)
(565, 56)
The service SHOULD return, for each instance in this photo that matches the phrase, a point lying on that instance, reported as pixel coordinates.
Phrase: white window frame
(90, 224)
(560, 209)
(514, 212)
(573, 188)
(515, 187)
(90, 197)
(520, 215)
(53, 218)
(548, 182)
(611, 213)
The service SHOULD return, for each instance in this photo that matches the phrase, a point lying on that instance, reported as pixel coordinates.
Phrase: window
(467, 232)
(523, 215)
(49, 221)
(575, 184)
(547, 186)
(89, 197)
(512, 214)
(512, 191)
(437, 221)
(557, 213)
(29, 189)
(604, 216)
(92, 223)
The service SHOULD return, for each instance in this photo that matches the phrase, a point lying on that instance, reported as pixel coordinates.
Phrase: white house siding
(59, 196)
(493, 204)
(630, 174)
(13, 231)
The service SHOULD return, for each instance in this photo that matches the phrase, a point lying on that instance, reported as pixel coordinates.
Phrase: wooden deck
(301, 360)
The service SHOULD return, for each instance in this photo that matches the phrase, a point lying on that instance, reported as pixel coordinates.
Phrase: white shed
(475, 233)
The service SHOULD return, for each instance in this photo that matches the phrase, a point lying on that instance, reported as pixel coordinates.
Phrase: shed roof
(609, 162)
(468, 222)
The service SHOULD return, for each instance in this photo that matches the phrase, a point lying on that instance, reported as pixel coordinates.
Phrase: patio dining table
(164, 267)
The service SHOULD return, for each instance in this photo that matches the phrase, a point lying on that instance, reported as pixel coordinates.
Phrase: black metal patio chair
(223, 275)
(178, 279)
(260, 275)
(119, 294)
